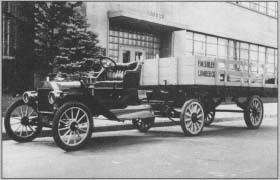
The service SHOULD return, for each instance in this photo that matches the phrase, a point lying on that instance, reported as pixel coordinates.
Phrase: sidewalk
(100, 125)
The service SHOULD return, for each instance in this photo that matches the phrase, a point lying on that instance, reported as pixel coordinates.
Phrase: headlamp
(53, 96)
(29, 96)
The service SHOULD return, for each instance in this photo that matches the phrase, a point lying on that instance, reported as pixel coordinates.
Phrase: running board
(134, 112)
(228, 110)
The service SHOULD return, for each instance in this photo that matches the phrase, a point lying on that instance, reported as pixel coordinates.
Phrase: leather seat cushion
(126, 66)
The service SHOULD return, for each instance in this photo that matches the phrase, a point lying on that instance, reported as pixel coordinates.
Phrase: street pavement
(227, 149)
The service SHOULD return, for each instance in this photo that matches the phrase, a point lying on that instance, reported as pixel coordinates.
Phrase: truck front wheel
(72, 126)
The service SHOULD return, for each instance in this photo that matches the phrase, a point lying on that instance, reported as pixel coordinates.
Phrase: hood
(61, 85)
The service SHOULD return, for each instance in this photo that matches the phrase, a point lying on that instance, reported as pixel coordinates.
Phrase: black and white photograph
(139, 90)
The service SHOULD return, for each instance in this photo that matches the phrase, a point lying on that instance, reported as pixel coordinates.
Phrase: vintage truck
(188, 88)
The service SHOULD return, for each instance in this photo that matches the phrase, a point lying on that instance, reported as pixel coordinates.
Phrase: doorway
(131, 54)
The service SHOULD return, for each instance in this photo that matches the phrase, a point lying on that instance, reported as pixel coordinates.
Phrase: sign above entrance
(156, 14)
(154, 20)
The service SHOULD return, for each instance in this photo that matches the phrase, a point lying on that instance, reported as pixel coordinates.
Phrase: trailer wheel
(253, 112)
(209, 118)
(192, 117)
(143, 125)
(22, 122)
(72, 126)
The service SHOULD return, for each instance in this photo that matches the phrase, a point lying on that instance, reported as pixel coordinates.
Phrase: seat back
(132, 77)
(120, 70)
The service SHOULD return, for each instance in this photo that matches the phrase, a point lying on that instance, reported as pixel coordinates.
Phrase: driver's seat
(124, 75)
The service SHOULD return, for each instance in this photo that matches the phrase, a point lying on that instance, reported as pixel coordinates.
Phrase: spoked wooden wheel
(192, 117)
(22, 122)
(253, 113)
(72, 126)
(209, 118)
(143, 125)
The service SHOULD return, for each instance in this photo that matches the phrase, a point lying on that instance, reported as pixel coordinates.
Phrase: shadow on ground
(113, 142)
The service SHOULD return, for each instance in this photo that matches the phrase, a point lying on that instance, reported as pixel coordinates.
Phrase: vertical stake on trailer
(165, 94)
(158, 69)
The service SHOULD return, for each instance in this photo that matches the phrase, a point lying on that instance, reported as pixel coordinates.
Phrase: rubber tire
(248, 122)
(10, 132)
(208, 123)
(56, 118)
(151, 122)
(182, 120)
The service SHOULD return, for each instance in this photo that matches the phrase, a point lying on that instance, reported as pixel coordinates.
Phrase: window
(253, 58)
(270, 56)
(261, 59)
(272, 9)
(200, 44)
(254, 5)
(222, 48)
(244, 55)
(276, 64)
(117, 36)
(189, 43)
(261, 55)
(244, 51)
(254, 53)
(233, 48)
(262, 7)
(211, 46)
(8, 32)
(270, 75)
(138, 56)
(126, 56)
(268, 8)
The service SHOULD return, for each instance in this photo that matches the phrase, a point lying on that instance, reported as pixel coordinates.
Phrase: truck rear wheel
(192, 117)
(253, 112)
(209, 118)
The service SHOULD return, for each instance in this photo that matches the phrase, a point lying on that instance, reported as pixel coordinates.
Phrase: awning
(142, 21)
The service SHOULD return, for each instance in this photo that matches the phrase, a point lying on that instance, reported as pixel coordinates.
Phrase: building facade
(17, 46)
(130, 31)
(241, 31)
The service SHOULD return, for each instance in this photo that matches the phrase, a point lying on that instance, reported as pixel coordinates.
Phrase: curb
(48, 132)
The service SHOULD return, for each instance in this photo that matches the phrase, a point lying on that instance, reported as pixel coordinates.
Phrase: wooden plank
(186, 73)
(150, 72)
(168, 71)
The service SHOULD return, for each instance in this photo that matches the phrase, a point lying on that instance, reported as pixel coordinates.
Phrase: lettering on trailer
(206, 73)
(206, 64)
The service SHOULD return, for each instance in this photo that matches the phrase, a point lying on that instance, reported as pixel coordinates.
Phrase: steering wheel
(107, 62)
